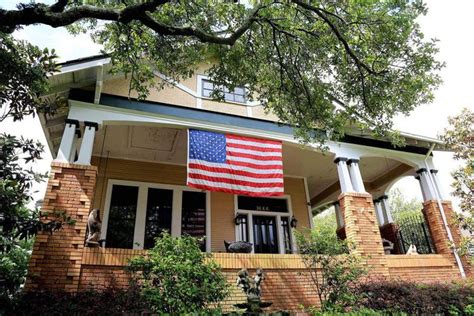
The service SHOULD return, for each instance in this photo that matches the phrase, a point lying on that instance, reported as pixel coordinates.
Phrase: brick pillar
(438, 232)
(362, 230)
(55, 263)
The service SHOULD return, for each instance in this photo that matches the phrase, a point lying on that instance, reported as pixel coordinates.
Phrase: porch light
(239, 219)
(293, 222)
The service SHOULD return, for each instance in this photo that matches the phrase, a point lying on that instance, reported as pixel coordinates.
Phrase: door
(265, 234)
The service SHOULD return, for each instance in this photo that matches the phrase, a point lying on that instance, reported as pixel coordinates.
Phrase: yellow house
(128, 158)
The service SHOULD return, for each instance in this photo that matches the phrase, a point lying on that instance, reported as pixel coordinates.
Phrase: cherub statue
(251, 286)
(94, 226)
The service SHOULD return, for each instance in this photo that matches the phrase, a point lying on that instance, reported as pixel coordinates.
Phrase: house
(128, 158)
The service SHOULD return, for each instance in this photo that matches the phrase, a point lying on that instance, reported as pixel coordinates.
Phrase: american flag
(234, 164)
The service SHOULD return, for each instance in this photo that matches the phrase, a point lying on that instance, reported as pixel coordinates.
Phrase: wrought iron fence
(414, 231)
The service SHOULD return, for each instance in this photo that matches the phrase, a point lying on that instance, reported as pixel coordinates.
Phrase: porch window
(158, 215)
(265, 222)
(122, 215)
(136, 213)
(193, 221)
(236, 95)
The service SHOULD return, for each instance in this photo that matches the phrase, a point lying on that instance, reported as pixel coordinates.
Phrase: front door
(265, 234)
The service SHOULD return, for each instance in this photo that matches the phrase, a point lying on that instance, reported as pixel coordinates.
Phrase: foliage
(316, 64)
(334, 270)
(17, 222)
(177, 278)
(24, 78)
(401, 207)
(398, 296)
(459, 137)
(326, 218)
(109, 301)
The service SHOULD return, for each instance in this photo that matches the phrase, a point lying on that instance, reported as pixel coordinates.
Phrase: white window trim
(140, 219)
(277, 215)
(200, 97)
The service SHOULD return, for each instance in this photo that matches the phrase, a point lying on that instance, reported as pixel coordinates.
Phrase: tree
(177, 278)
(324, 65)
(401, 207)
(459, 137)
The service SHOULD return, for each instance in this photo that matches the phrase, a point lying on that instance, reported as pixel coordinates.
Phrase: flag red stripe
(249, 147)
(252, 165)
(250, 156)
(235, 182)
(220, 189)
(235, 172)
(257, 140)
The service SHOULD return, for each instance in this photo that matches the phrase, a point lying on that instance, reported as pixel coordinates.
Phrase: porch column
(437, 183)
(87, 145)
(421, 188)
(75, 144)
(379, 212)
(67, 141)
(387, 214)
(344, 177)
(356, 177)
(426, 185)
(339, 216)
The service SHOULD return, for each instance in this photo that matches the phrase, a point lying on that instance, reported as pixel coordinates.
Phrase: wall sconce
(293, 222)
(239, 219)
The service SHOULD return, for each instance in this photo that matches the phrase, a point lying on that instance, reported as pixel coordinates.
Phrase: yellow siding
(222, 204)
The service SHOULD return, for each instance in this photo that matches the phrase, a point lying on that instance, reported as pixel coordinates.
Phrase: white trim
(176, 84)
(308, 203)
(83, 65)
(140, 219)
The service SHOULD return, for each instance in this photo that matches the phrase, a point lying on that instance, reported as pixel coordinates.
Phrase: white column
(387, 214)
(426, 185)
(344, 177)
(379, 212)
(438, 187)
(87, 145)
(75, 144)
(421, 188)
(356, 177)
(67, 141)
(339, 217)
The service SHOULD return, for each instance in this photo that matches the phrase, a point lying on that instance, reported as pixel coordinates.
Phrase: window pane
(262, 204)
(239, 98)
(122, 213)
(285, 224)
(229, 97)
(193, 221)
(242, 227)
(206, 84)
(206, 93)
(264, 234)
(158, 214)
(239, 90)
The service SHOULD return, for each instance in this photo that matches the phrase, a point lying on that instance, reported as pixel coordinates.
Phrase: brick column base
(55, 263)
(362, 230)
(438, 232)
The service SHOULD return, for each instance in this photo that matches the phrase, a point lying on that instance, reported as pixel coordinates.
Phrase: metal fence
(414, 231)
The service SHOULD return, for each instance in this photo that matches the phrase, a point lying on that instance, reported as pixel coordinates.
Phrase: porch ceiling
(169, 145)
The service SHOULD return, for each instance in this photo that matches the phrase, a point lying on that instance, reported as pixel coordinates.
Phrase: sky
(450, 23)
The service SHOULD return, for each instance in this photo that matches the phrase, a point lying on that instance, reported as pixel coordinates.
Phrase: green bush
(177, 278)
(334, 269)
(398, 296)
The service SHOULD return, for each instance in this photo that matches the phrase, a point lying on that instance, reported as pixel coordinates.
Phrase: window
(122, 214)
(136, 213)
(158, 215)
(193, 222)
(262, 204)
(236, 95)
(264, 222)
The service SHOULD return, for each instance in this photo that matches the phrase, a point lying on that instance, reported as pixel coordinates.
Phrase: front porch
(132, 166)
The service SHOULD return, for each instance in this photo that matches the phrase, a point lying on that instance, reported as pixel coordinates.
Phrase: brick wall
(56, 259)
(362, 230)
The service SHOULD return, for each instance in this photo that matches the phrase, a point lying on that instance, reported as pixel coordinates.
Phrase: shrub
(415, 299)
(334, 270)
(109, 301)
(177, 278)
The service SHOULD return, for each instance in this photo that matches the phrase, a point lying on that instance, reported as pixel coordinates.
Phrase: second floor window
(236, 95)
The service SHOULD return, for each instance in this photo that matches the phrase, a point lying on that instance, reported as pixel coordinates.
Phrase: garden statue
(94, 226)
(238, 246)
(252, 288)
